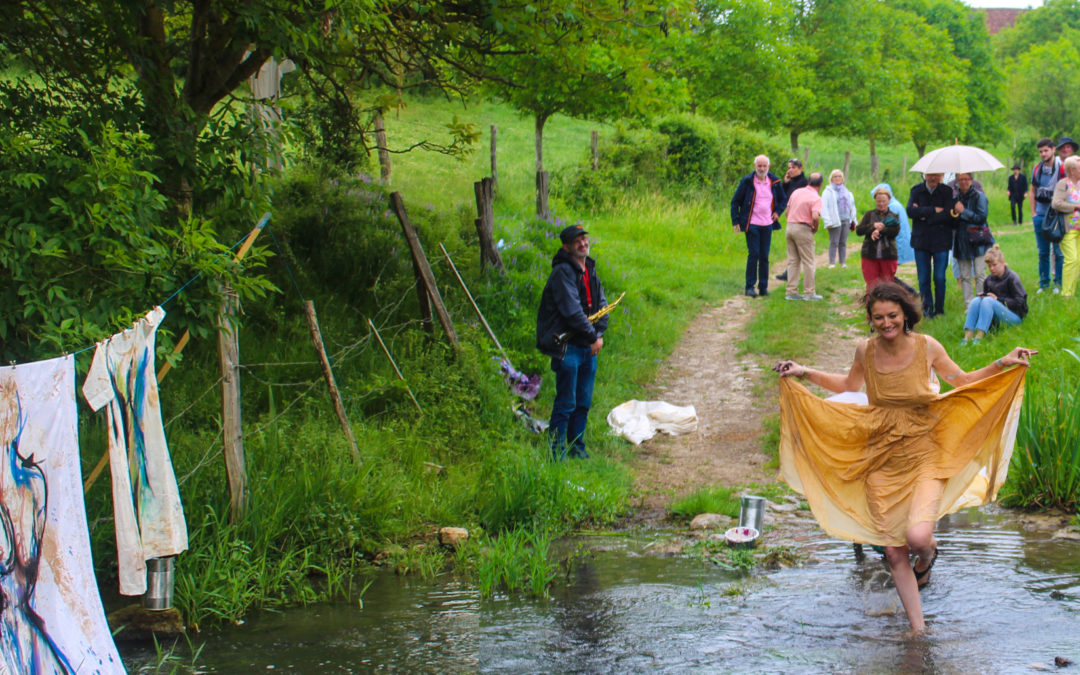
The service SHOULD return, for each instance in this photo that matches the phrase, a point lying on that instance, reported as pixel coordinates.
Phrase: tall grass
(706, 500)
(1045, 470)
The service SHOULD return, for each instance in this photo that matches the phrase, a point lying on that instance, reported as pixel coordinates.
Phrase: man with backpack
(1044, 177)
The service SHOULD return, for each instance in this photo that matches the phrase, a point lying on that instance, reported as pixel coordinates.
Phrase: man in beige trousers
(804, 217)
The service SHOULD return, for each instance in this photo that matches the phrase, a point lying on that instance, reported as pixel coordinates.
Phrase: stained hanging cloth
(51, 617)
(149, 517)
(859, 466)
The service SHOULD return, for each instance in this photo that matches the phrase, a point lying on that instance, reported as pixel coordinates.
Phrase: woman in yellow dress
(884, 473)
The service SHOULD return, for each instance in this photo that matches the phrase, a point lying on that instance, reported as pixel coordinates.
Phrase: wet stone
(453, 537)
(710, 521)
(136, 623)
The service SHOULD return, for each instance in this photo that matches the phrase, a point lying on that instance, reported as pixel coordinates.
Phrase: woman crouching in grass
(1003, 299)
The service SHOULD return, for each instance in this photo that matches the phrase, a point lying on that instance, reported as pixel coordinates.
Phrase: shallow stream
(1004, 598)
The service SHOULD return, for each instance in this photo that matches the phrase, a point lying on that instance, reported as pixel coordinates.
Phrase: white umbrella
(957, 159)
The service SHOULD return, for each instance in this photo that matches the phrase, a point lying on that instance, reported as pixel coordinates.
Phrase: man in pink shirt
(804, 216)
(755, 211)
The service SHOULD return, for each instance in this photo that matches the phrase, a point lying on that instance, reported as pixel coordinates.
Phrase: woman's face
(996, 267)
(1073, 171)
(887, 318)
(882, 201)
(837, 180)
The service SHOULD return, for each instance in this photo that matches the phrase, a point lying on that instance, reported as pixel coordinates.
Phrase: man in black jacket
(929, 206)
(564, 332)
(1017, 189)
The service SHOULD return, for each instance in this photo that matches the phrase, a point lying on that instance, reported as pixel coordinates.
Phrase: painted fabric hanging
(146, 500)
(51, 618)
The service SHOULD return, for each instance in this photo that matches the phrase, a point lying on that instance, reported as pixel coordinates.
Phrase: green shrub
(683, 154)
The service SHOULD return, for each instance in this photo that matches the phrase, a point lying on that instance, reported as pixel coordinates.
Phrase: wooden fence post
(903, 171)
(384, 152)
(485, 224)
(232, 436)
(595, 150)
(806, 157)
(542, 185)
(847, 163)
(494, 159)
(421, 262)
(328, 375)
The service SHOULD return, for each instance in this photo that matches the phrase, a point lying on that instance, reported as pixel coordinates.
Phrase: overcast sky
(1018, 4)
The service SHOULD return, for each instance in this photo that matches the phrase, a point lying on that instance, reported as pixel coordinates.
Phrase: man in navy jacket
(755, 211)
(929, 207)
(564, 332)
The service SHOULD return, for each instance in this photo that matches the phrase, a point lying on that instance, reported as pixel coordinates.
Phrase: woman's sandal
(923, 578)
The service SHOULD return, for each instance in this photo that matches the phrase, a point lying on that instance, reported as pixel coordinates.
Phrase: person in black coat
(928, 207)
(1018, 186)
(564, 332)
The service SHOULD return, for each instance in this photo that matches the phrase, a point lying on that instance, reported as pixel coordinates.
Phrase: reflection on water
(1001, 600)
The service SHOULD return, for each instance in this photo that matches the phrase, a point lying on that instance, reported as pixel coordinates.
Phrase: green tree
(740, 65)
(1037, 26)
(591, 60)
(1047, 94)
(972, 59)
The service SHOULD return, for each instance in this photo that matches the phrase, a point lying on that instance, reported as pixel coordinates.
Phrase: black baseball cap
(570, 233)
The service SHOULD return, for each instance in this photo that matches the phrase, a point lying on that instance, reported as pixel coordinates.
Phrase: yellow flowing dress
(912, 455)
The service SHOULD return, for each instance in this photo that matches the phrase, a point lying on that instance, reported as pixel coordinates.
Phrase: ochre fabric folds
(869, 472)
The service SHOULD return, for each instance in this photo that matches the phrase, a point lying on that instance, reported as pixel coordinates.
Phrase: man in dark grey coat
(564, 332)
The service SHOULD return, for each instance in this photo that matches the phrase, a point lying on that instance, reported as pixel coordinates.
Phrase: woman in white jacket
(838, 215)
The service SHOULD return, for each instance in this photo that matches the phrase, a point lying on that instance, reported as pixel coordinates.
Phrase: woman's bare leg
(904, 578)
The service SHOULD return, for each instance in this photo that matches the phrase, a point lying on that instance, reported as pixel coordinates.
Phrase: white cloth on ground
(146, 500)
(639, 421)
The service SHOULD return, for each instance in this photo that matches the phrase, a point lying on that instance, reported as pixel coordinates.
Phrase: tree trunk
(541, 120)
(794, 142)
(873, 160)
(494, 158)
(920, 148)
(541, 175)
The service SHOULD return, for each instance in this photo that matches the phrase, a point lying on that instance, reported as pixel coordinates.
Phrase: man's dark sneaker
(751, 293)
(782, 276)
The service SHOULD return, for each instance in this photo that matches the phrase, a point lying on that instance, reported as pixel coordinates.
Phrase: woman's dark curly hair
(890, 291)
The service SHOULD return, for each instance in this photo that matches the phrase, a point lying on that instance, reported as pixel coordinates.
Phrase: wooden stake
(394, 364)
(384, 153)
(595, 150)
(485, 224)
(328, 375)
(425, 269)
(180, 344)
(232, 434)
(472, 302)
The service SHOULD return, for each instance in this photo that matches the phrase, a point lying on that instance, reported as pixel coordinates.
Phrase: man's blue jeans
(932, 303)
(758, 238)
(984, 311)
(575, 376)
(1044, 256)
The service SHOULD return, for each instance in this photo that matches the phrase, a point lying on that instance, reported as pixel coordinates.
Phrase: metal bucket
(159, 583)
(752, 512)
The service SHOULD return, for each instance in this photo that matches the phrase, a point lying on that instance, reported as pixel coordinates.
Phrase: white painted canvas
(51, 617)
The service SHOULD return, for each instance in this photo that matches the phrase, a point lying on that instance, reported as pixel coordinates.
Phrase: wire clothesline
(260, 225)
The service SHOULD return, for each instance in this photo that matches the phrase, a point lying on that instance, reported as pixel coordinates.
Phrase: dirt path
(732, 392)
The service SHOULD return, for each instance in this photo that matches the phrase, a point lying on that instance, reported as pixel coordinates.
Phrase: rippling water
(1001, 600)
